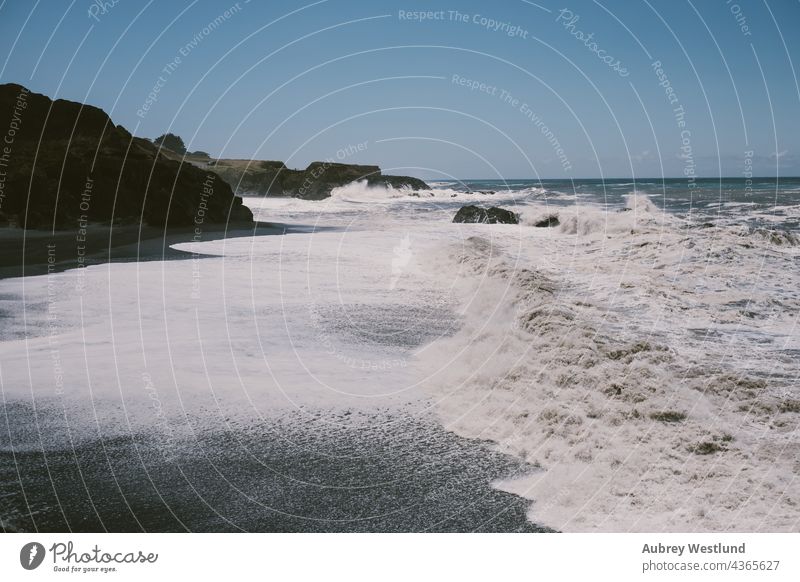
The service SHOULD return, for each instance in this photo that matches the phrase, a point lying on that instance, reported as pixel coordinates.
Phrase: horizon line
(617, 178)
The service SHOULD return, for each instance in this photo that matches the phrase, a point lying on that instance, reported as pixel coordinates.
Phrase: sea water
(632, 367)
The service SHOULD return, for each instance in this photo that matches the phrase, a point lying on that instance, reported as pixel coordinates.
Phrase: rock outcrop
(270, 178)
(492, 215)
(67, 163)
(408, 182)
(265, 178)
(319, 178)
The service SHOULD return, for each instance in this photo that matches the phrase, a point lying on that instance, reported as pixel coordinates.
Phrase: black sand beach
(294, 474)
(297, 472)
(38, 252)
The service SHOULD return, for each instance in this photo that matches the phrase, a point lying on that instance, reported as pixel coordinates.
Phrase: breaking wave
(361, 192)
(645, 368)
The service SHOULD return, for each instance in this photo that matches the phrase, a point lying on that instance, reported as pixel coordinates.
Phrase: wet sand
(301, 471)
(295, 473)
(38, 252)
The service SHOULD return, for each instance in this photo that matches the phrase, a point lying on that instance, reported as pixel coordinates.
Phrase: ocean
(632, 367)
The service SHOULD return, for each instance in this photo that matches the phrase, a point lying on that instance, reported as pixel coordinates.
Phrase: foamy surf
(639, 365)
(648, 368)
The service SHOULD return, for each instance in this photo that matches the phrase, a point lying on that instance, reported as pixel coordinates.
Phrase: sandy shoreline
(195, 395)
(37, 252)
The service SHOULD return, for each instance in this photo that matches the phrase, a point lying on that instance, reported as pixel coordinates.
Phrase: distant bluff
(269, 178)
(62, 162)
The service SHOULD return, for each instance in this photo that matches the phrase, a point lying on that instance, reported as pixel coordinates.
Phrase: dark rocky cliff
(63, 162)
(268, 178)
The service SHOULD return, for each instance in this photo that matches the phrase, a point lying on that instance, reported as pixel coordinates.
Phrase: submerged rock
(550, 221)
(777, 237)
(492, 215)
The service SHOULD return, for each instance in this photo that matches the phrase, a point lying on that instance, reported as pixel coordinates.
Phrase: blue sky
(302, 81)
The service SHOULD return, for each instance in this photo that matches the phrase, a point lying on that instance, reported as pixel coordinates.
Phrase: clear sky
(508, 88)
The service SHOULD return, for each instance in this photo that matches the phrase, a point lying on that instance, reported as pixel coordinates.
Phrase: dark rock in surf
(493, 215)
(406, 182)
(316, 182)
(320, 178)
(548, 222)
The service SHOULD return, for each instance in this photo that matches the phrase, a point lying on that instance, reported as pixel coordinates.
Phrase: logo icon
(31, 555)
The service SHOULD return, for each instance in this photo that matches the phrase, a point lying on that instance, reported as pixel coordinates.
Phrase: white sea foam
(647, 368)
(587, 219)
(578, 347)
(362, 192)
